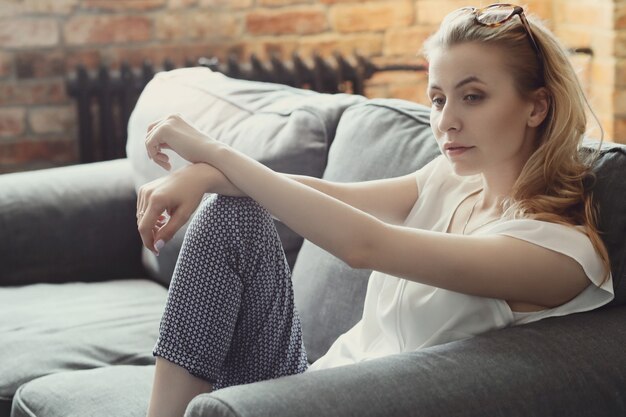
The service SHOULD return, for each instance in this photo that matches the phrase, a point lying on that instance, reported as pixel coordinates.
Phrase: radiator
(105, 98)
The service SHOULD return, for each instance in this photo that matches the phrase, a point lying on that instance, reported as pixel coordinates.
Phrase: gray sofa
(80, 301)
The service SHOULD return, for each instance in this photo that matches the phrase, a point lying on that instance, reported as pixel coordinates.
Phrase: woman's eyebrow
(471, 78)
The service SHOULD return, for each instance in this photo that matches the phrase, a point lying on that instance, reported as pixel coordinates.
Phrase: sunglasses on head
(498, 14)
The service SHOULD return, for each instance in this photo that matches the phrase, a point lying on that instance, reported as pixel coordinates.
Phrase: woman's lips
(457, 150)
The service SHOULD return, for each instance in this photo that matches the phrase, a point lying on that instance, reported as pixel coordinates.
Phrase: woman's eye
(438, 101)
(473, 97)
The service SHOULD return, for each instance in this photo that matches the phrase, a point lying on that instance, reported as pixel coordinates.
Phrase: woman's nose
(448, 119)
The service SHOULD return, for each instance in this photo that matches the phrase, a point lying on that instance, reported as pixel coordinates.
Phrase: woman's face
(477, 116)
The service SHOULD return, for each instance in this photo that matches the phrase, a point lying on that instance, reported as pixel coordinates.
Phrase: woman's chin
(463, 169)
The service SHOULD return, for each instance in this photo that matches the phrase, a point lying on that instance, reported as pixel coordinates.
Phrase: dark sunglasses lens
(494, 15)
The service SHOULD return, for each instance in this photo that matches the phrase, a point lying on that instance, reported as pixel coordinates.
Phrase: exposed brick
(12, 8)
(90, 58)
(265, 48)
(271, 3)
(39, 64)
(607, 43)
(50, 6)
(28, 32)
(32, 92)
(56, 119)
(602, 100)
(49, 151)
(403, 77)
(415, 91)
(620, 15)
(619, 130)
(582, 66)
(12, 121)
(158, 53)
(603, 72)
(376, 91)
(342, 1)
(603, 42)
(180, 4)
(620, 102)
(371, 16)
(300, 21)
(6, 64)
(432, 12)
(208, 25)
(406, 41)
(620, 73)
(382, 61)
(84, 30)
(573, 36)
(396, 77)
(325, 45)
(595, 14)
(122, 5)
(620, 44)
(170, 26)
(230, 4)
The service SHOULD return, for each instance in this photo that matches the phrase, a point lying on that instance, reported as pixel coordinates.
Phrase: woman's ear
(541, 105)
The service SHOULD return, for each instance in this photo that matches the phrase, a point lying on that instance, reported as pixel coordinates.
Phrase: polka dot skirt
(230, 316)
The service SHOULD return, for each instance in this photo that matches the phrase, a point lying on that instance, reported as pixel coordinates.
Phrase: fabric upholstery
(559, 367)
(73, 223)
(610, 195)
(115, 391)
(382, 138)
(51, 328)
(286, 129)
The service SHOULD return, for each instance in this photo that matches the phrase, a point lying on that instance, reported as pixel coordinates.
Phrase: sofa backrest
(609, 191)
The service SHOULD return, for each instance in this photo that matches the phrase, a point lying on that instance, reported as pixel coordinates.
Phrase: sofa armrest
(566, 366)
(73, 223)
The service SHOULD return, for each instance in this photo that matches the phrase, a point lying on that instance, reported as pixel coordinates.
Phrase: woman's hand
(164, 205)
(175, 133)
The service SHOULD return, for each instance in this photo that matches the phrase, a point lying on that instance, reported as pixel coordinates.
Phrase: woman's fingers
(146, 224)
(172, 225)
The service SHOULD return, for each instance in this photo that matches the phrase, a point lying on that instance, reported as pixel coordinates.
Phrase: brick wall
(42, 40)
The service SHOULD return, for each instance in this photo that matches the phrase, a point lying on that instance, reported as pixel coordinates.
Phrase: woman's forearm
(324, 220)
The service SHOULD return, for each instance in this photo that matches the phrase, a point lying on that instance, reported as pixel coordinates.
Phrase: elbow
(353, 259)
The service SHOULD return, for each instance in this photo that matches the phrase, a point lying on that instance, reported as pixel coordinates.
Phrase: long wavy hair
(554, 183)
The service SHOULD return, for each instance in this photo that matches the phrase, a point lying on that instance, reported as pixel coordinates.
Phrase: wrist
(211, 151)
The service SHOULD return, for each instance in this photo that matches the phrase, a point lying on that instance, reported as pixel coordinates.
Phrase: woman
(500, 226)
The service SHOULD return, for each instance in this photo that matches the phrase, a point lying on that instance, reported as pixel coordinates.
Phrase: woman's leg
(230, 317)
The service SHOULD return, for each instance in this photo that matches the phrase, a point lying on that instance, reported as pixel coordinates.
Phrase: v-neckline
(457, 205)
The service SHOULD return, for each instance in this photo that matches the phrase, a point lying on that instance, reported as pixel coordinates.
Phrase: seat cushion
(284, 128)
(51, 328)
(120, 391)
(381, 138)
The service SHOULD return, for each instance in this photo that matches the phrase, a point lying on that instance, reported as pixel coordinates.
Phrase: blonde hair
(554, 183)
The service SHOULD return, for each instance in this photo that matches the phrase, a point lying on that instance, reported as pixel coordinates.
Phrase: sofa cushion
(381, 138)
(51, 328)
(120, 391)
(286, 129)
(610, 194)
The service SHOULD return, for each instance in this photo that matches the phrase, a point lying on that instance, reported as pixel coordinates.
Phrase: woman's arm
(491, 266)
(388, 199)
(179, 194)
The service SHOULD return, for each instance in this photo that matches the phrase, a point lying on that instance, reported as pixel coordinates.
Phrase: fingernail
(159, 244)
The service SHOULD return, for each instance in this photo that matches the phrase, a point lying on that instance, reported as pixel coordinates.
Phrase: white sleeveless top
(401, 315)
